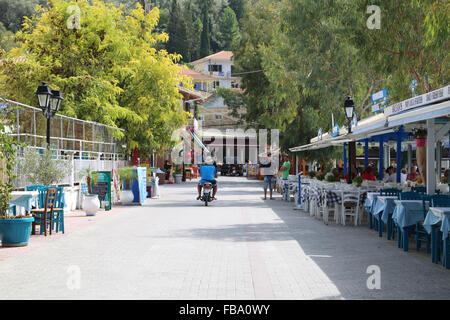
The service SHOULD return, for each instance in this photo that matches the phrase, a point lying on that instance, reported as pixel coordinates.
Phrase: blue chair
(390, 192)
(421, 190)
(58, 208)
(44, 216)
(410, 196)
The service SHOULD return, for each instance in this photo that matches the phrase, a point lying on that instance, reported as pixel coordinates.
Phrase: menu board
(103, 189)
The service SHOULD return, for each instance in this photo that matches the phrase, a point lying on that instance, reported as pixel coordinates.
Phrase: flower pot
(91, 204)
(178, 178)
(126, 196)
(15, 232)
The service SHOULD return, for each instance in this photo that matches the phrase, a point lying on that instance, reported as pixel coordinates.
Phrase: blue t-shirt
(207, 173)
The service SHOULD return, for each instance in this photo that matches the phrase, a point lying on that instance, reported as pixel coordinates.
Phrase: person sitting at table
(403, 176)
(341, 175)
(368, 175)
(390, 175)
(444, 178)
(413, 176)
(354, 173)
(335, 173)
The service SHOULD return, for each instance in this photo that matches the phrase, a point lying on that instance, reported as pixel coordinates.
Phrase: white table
(24, 199)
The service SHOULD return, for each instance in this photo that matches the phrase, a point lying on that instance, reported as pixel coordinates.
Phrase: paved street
(240, 247)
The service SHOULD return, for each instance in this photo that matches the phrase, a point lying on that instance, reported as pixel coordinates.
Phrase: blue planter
(15, 232)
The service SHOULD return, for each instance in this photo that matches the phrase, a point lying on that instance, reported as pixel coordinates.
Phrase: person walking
(285, 175)
(268, 170)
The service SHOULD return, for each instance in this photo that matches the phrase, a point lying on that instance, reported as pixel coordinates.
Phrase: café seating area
(398, 212)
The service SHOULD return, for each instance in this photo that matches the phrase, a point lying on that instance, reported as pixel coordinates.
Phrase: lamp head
(55, 101)
(43, 94)
(349, 107)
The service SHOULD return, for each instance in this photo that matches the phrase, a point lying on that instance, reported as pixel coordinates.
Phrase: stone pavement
(239, 247)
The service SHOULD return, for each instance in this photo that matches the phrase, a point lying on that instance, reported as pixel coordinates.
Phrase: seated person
(390, 175)
(444, 178)
(354, 173)
(403, 176)
(413, 176)
(341, 175)
(208, 173)
(335, 173)
(368, 175)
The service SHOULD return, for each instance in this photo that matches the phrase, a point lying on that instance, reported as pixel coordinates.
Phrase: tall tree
(178, 33)
(238, 7)
(229, 30)
(205, 44)
(108, 69)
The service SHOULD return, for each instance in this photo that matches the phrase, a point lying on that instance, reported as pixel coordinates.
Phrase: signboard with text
(422, 100)
(103, 189)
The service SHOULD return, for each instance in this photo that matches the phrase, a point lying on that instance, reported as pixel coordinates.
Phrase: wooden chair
(188, 174)
(44, 217)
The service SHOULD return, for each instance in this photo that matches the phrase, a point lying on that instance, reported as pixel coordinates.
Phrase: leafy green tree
(238, 7)
(108, 69)
(205, 44)
(229, 30)
(178, 33)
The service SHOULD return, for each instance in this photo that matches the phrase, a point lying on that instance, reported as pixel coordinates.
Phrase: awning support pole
(381, 159)
(399, 155)
(366, 154)
(345, 158)
(431, 157)
(438, 161)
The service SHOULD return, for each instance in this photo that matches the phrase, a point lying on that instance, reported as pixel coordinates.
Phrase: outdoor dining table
(25, 199)
(407, 213)
(438, 216)
(383, 208)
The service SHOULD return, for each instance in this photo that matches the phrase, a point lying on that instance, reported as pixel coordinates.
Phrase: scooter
(206, 194)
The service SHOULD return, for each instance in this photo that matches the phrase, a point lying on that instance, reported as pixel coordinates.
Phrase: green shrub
(358, 180)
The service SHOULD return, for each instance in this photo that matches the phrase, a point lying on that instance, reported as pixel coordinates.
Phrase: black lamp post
(349, 108)
(49, 102)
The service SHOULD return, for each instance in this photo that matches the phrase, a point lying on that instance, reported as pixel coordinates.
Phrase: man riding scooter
(208, 173)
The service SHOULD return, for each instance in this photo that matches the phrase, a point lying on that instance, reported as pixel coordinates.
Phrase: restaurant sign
(379, 100)
(419, 101)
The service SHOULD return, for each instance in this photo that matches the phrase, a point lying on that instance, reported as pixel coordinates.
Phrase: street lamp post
(349, 107)
(49, 101)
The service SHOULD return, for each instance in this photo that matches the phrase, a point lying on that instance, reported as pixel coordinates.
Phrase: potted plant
(358, 180)
(421, 152)
(14, 230)
(178, 174)
(312, 174)
(320, 177)
(331, 178)
(126, 176)
(91, 203)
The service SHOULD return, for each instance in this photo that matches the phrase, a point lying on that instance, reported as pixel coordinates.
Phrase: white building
(219, 66)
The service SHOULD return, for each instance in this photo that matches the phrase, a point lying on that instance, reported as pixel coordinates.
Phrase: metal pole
(399, 156)
(345, 158)
(381, 158)
(366, 154)
(349, 177)
(431, 157)
(48, 132)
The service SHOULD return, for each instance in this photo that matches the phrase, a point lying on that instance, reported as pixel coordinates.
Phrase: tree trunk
(421, 155)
